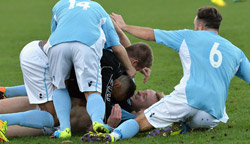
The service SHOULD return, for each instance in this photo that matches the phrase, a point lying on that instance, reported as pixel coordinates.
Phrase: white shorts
(34, 65)
(85, 61)
(169, 110)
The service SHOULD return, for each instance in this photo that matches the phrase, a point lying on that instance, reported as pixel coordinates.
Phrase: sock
(62, 104)
(96, 108)
(32, 118)
(126, 130)
(15, 91)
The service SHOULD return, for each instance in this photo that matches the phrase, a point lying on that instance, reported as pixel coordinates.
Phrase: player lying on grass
(209, 63)
(79, 117)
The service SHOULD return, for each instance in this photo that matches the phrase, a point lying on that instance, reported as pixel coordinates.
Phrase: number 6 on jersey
(215, 51)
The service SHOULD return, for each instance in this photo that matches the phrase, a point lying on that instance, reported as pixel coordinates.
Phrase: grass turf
(28, 20)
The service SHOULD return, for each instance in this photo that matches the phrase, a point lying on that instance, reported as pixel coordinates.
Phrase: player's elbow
(149, 36)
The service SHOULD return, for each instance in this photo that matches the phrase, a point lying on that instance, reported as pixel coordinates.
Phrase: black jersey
(110, 70)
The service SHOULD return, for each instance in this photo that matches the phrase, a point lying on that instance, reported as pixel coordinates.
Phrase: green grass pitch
(22, 21)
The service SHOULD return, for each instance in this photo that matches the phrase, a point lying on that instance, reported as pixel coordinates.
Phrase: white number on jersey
(84, 5)
(214, 51)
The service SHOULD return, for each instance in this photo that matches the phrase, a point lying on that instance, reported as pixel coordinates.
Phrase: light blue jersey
(84, 21)
(209, 64)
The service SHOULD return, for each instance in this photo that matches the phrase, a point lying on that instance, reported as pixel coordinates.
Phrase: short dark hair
(210, 16)
(128, 85)
(142, 52)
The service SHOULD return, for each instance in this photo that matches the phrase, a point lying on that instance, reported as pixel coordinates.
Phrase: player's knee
(87, 94)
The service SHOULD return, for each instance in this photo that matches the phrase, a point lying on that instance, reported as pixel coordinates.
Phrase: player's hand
(115, 116)
(119, 20)
(146, 72)
(131, 72)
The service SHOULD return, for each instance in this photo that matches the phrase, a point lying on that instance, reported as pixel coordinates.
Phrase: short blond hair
(159, 95)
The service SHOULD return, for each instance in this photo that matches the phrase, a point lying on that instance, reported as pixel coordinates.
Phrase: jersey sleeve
(112, 38)
(172, 39)
(126, 115)
(53, 21)
(244, 69)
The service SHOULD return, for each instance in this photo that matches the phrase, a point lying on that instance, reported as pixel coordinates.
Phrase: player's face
(143, 99)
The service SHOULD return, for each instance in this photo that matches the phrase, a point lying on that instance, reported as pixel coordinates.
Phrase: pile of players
(85, 59)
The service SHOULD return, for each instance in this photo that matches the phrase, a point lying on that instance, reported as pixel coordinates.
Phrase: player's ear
(134, 62)
(117, 84)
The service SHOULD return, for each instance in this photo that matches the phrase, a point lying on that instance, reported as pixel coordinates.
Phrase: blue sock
(62, 104)
(126, 130)
(32, 118)
(15, 91)
(96, 108)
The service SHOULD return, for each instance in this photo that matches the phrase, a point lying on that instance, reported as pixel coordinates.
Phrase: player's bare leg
(16, 104)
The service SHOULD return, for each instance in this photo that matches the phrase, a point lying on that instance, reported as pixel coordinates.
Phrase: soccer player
(209, 63)
(79, 31)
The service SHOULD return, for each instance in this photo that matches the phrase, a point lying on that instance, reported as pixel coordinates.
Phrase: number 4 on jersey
(84, 5)
(214, 51)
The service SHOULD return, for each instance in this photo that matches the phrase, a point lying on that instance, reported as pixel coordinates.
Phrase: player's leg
(19, 131)
(131, 127)
(16, 104)
(31, 118)
(60, 66)
(96, 110)
(202, 120)
(14, 91)
(88, 74)
(34, 65)
(79, 120)
(126, 130)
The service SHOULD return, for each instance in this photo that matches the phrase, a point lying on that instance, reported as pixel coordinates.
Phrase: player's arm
(122, 55)
(244, 69)
(139, 32)
(123, 38)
